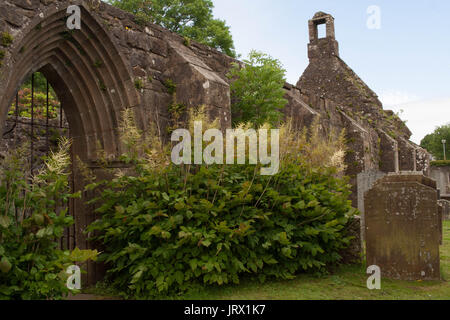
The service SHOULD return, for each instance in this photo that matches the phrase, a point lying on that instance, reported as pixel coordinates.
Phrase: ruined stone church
(139, 60)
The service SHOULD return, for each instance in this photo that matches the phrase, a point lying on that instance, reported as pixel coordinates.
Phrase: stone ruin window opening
(321, 31)
(321, 26)
(36, 121)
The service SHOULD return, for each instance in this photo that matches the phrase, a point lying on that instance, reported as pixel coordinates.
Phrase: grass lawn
(346, 283)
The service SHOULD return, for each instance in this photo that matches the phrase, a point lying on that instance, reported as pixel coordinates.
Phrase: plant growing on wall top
(257, 90)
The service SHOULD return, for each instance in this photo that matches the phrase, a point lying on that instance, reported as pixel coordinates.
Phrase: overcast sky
(406, 62)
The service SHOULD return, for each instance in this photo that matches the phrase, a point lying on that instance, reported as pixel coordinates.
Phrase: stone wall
(445, 205)
(114, 63)
(17, 133)
(365, 182)
(442, 177)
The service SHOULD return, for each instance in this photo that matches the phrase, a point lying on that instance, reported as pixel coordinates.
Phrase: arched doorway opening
(93, 85)
(36, 121)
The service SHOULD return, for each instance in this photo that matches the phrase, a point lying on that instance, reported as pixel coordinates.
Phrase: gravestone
(402, 227)
(445, 209)
(441, 221)
(365, 181)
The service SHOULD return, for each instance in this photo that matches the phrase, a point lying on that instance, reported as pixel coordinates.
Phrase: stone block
(402, 227)
(445, 204)
(442, 177)
(441, 220)
(364, 182)
(388, 153)
(406, 155)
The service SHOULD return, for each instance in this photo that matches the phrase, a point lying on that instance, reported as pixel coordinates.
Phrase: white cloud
(422, 116)
(395, 98)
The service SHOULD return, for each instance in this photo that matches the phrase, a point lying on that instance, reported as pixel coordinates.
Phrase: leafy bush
(167, 229)
(440, 163)
(40, 105)
(31, 266)
(257, 90)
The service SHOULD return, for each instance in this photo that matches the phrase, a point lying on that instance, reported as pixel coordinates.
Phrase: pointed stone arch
(87, 71)
(91, 78)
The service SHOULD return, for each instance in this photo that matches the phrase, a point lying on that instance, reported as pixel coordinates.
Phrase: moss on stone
(98, 63)
(171, 86)
(7, 39)
(102, 85)
(138, 84)
(187, 41)
(2, 55)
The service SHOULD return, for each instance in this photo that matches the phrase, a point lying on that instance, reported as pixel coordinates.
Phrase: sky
(406, 61)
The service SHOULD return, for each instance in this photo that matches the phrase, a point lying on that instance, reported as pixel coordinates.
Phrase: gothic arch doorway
(92, 83)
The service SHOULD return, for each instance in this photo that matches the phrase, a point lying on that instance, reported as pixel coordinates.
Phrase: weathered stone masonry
(114, 63)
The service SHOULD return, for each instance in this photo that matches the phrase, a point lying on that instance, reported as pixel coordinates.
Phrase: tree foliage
(190, 18)
(257, 90)
(433, 142)
(39, 106)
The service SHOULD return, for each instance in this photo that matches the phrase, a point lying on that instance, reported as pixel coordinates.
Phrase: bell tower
(319, 48)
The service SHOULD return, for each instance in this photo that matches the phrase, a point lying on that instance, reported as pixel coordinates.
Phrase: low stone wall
(442, 177)
(445, 205)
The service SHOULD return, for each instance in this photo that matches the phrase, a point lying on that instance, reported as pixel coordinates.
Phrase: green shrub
(165, 234)
(31, 266)
(257, 90)
(440, 163)
(167, 229)
(39, 107)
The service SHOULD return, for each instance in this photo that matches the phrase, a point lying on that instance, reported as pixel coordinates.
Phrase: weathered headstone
(402, 227)
(441, 220)
(445, 209)
(365, 181)
(442, 177)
